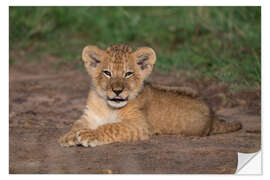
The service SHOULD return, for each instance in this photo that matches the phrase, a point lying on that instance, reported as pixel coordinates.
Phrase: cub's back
(169, 112)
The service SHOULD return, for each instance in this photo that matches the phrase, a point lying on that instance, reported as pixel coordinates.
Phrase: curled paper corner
(249, 163)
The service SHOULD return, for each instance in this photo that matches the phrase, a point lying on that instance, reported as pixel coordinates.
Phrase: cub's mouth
(118, 99)
(117, 102)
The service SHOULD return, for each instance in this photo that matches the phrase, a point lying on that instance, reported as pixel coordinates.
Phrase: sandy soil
(44, 103)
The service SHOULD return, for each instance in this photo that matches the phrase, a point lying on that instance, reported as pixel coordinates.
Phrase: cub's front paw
(68, 139)
(87, 138)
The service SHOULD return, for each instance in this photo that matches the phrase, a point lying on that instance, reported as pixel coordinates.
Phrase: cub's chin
(117, 102)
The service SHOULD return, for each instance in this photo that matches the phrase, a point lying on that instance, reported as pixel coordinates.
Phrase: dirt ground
(44, 103)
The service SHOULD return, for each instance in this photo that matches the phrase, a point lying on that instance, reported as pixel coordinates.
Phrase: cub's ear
(91, 56)
(145, 59)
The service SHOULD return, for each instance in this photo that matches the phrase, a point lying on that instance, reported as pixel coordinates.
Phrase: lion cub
(120, 107)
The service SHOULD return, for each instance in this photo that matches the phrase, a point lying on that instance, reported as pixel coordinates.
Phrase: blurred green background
(222, 43)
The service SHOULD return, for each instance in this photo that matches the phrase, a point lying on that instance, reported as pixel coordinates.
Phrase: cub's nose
(117, 91)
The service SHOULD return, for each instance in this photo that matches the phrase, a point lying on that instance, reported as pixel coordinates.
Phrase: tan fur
(139, 110)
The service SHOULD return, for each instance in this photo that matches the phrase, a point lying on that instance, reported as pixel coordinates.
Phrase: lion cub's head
(118, 72)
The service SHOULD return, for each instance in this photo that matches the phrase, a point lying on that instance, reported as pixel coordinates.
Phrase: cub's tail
(221, 126)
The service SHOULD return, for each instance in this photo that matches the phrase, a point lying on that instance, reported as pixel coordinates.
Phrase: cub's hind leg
(220, 126)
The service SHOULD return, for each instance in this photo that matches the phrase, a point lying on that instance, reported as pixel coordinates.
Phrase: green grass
(223, 43)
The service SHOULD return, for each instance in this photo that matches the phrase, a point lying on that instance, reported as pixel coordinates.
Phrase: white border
(4, 73)
(136, 2)
(4, 90)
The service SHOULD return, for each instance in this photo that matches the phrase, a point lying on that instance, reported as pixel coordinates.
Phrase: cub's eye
(107, 73)
(128, 74)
